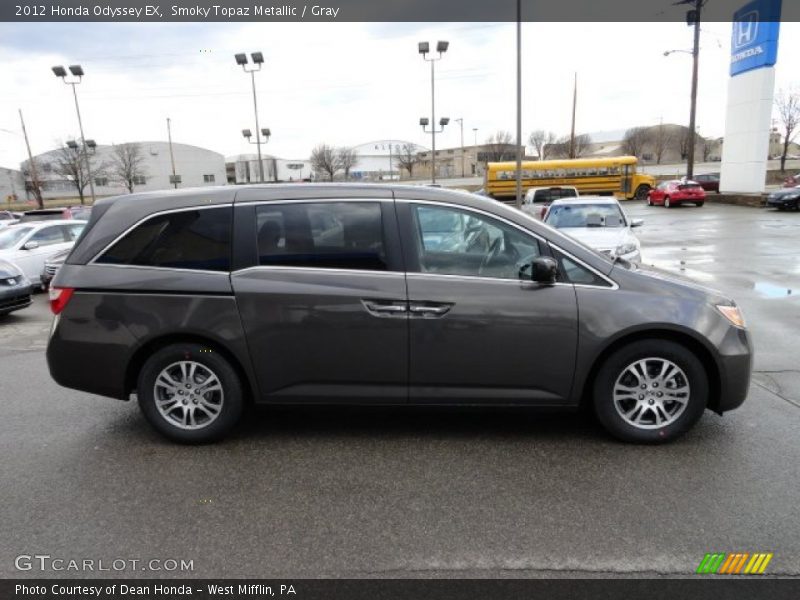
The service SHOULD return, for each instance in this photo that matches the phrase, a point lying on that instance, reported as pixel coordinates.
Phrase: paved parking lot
(312, 492)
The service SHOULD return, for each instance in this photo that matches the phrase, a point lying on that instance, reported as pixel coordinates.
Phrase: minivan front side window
(327, 235)
(187, 239)
(456, 242)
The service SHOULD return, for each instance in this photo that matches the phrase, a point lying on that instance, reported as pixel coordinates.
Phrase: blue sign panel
(754, 42)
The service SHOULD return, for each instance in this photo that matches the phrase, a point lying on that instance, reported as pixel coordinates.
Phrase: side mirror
(637, 222)
(544, 270)
(30, 246)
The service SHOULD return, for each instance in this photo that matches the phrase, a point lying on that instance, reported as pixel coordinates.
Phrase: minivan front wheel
(189, 393)
(650, 391)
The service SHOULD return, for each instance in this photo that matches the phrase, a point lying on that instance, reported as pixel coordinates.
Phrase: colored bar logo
(734, 563)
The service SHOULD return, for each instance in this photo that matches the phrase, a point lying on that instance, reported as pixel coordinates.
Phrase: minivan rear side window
(188, 239)
(328, 235)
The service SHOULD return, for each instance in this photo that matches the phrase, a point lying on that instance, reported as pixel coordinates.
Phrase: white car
(599, 222)
(28, 245)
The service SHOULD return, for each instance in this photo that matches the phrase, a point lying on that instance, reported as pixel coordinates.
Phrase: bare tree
(70, 164)
(347, 158)
(706, 145)
(325, 159)
(408, 158)
(661, 139)
(127, 165)
(788, 105)
(541, 141)
(581, 145)
(30, 174)
(497, 146)
(634, 140)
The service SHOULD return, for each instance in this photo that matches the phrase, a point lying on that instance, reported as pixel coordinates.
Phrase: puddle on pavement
(770, 290)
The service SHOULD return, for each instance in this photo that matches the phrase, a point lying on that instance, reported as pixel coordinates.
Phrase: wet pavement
(365, 493)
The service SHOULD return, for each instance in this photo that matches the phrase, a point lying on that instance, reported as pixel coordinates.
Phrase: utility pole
(693, 15)
(574, 106)
(37, 190)
(519, 104)
(171, 155)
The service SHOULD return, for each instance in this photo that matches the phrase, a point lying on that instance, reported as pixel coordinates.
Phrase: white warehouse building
(195, 166)
(378, 159)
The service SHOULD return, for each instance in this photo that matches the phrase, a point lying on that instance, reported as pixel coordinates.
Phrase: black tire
(650, 432)
(667, 203)
(641, 192)
(699, 204)
(649, 200)
(230, 406)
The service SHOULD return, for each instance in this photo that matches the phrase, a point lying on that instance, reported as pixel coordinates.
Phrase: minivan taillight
(59, 298)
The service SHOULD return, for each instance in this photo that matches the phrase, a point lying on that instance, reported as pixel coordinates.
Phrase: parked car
(7, 218)
(708, 181)
(27, 245)
(79, 211)
(599, 222)
(676, 192)
(785, 198)
(45, 214)
(203, 301)
(792, 181)
(52, 264)
(15, 288)
(537, 199)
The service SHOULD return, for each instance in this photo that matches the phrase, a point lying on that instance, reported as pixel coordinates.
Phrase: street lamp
(261, 138)
(424, 49)
(693, 17)
(77, 76)
(461, 123)
(258, 60)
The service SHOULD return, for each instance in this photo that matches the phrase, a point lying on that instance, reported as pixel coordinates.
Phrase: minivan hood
(663, 275)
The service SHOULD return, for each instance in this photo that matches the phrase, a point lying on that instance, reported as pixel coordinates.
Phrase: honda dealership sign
(754, 42)
(751, 88)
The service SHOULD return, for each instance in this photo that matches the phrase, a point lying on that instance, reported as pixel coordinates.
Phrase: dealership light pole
(258, 60)
(266, 133)
(424, 49)
(519, 104)
(77, 76)
(461, 123)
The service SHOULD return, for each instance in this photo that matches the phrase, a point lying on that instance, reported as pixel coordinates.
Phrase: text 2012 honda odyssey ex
(201, 301)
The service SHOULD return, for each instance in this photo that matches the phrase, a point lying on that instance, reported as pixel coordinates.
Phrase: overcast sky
(350, 83)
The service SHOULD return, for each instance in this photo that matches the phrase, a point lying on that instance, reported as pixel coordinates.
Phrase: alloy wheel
(188, 395)
(651, 393)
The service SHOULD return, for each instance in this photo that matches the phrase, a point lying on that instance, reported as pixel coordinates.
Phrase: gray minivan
(201, 301)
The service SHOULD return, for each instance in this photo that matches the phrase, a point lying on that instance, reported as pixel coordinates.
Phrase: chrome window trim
(317, 269)
(312, 201)
(612, 284)
(152, 268)
(147, 218)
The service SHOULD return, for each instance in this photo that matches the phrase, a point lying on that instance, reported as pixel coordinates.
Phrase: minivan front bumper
(735, 363)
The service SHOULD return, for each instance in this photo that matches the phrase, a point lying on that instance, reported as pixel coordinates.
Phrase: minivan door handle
(429, 309)
(386, 308)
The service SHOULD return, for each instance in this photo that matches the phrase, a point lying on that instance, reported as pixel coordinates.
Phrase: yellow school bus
(615, 176)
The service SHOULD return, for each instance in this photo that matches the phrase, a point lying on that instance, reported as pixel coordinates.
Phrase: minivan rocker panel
(200, 301)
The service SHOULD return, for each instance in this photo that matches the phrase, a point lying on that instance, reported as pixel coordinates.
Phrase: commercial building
(12, 185)
(194, 166)
(243, 168)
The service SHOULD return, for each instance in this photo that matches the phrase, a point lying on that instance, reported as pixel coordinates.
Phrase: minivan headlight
(732, 313)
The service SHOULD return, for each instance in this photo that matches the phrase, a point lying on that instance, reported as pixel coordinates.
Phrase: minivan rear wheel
(650, 391)
(190, 393)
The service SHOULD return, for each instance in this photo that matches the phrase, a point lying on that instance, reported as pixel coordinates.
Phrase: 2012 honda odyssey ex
(200, 301)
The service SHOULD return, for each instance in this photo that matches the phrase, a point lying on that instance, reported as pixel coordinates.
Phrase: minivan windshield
(585, 215)
(11, 236)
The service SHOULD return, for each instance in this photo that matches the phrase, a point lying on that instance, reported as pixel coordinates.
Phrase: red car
(708, 181)
(792, 181)
(676, 192)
